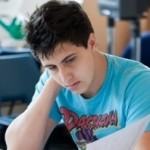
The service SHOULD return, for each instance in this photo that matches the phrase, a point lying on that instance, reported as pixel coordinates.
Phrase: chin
(80, 92)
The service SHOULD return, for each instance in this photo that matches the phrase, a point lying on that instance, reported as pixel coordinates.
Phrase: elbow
(11, 138)
(17, 138)
(8, 135)
(12, 135)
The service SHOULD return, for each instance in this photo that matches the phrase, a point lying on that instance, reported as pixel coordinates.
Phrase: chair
(145, 49)
(19, 74)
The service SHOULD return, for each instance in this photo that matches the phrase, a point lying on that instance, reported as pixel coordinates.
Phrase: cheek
(82, 72)
(87, 72)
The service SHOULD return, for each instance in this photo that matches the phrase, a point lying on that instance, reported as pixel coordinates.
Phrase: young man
(95, 94)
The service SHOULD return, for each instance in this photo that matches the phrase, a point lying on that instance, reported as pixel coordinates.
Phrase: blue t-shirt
(123, 98)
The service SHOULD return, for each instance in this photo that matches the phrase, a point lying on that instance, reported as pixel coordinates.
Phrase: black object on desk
(60, 139)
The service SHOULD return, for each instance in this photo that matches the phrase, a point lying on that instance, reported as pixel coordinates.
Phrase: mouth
(74, 85)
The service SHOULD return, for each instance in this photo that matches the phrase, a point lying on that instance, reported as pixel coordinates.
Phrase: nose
(65, 75)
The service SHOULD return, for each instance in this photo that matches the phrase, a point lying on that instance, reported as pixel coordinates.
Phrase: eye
(52, 68)
(69, 60)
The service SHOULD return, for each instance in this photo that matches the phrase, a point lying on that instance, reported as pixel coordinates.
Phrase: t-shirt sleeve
(54, 114)
(138, 98)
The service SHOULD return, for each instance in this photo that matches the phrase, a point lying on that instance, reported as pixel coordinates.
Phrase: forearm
(144, 142)
(28, 130)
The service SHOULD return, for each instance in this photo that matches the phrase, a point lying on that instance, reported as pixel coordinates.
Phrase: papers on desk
(124, 139)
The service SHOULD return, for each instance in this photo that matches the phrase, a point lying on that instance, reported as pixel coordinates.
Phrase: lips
(74, 85)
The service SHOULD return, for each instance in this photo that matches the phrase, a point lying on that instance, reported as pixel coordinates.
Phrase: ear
(91, 41)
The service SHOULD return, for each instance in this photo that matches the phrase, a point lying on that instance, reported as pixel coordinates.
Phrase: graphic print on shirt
(86, 125)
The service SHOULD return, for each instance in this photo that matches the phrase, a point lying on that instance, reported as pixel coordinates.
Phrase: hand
(52, 84)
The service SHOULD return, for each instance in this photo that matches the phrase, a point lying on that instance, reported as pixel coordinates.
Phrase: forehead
(64, 48)
(61, 51)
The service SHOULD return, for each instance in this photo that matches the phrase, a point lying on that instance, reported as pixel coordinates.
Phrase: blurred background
(13, 14)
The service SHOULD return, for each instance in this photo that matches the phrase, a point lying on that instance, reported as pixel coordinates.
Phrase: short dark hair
(57, 22)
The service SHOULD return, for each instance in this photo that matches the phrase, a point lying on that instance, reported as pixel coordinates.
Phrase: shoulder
(40, 84)
(43, 78)
(126, 68)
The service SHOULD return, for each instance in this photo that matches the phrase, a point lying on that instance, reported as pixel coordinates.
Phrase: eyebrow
(67, 57)
(62, 61)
